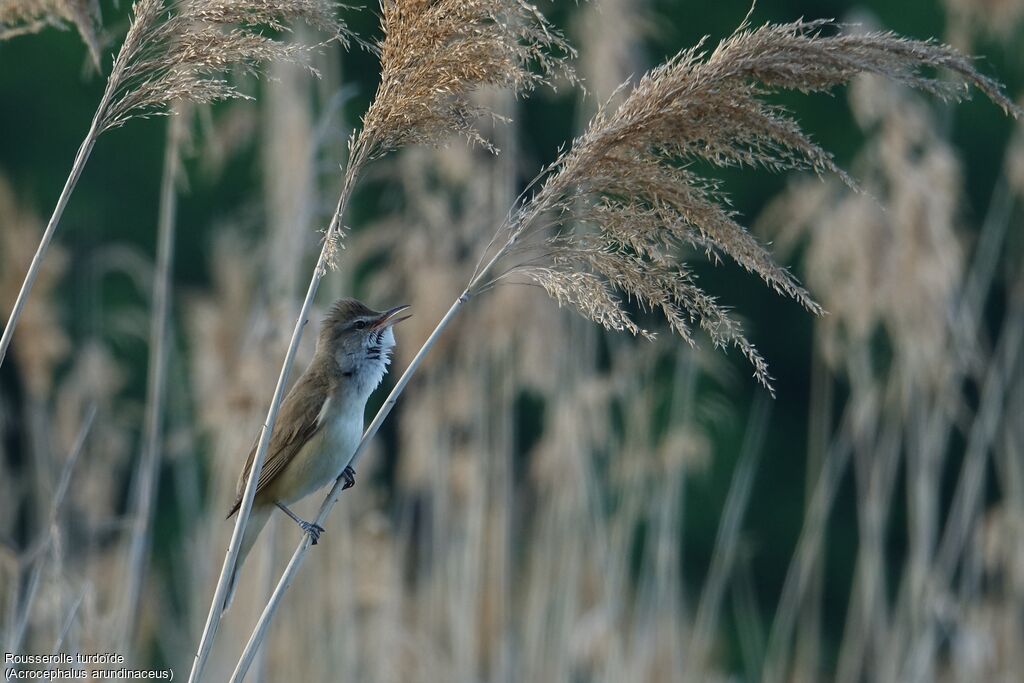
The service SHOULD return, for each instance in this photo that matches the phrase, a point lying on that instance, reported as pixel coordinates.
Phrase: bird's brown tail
(257, 520)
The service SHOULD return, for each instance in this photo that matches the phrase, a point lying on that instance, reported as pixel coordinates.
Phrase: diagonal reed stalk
(51, 226)
(433, 55)
(357, 159)
(626, 178)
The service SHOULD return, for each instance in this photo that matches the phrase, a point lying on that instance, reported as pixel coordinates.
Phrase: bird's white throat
(364, 368)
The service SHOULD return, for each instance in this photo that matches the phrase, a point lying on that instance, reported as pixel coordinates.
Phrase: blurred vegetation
(49, 94)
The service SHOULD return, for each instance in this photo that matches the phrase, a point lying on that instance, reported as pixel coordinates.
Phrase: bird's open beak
(390, 317)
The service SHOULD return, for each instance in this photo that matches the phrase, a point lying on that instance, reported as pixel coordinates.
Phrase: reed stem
(356, 162)
(260, 631)
(96, 127)
(51, 227)
(149, 465)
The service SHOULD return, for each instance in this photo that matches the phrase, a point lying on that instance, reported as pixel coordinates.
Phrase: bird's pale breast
(323, 458)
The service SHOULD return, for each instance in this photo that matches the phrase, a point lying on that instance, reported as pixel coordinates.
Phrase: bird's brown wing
(300, 419)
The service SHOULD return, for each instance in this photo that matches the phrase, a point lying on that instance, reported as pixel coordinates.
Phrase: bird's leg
(349, 475)
(314, 530)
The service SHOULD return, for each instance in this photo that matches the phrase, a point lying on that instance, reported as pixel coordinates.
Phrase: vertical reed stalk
(149, 465)
(726, 545)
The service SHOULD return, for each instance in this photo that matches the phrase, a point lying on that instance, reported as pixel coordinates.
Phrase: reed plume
(20, 17)
(613, 210)
(435, 53)
(185, 53)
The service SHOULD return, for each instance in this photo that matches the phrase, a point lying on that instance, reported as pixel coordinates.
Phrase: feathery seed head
(436, 52)
(892, 260)
(616, 208)
(188, 52)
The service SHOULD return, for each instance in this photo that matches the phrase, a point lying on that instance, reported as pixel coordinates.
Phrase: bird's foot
(349, 475)
(314, 530)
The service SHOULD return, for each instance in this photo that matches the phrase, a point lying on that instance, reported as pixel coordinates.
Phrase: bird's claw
(349, 475)
(314, 530)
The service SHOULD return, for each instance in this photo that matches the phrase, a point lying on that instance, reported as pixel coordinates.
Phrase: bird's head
(359, 340)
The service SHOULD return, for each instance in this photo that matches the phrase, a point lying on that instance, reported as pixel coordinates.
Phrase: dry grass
(532, 520)
(614, 210)
(435, 53)
(624, 178)
(188, 53)
(896, 265)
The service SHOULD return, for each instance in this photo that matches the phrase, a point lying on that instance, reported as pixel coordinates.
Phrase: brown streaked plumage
(321, 418)
(297, 423)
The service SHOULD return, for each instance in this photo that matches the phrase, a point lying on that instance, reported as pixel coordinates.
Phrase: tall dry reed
(896, 264)
(627, 177)
(531, 524)
(624, 178)
(433, 55)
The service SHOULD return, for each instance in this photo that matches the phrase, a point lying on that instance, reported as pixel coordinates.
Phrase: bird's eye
(360, 324)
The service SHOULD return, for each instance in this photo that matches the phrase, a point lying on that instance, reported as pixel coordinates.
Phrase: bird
(321, 419)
